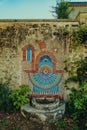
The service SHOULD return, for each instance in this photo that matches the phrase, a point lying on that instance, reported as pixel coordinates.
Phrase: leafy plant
(77, 105)
(5, 102)
(15, 128)
(3, 122)
(80, 72)
(12, 100)
(61, 125)
(19, 96)
(66, 124)
(80, 35)
(74, 127)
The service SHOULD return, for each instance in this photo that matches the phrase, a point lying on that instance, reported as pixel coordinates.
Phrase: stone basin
(47, 110)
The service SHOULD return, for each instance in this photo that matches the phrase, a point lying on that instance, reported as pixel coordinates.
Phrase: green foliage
(80, 35)
(3, 123)
(81, 72)
(61, 125)
(15, 128)
(68, 124)
(61, 9)
(5, 102)
(12, 100)
(19, 96)
(77, 105)
(74, 127)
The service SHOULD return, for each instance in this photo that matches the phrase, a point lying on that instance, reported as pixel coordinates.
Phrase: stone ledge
(37, 20)
(43, 115)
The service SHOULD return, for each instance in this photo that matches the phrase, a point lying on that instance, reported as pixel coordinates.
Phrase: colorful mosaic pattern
(45, 80)
(53, 89)
(28, 54)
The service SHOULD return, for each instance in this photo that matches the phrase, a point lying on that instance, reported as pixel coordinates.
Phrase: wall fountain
(47, 96)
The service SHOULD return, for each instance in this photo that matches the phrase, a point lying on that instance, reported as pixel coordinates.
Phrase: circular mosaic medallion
(45, 77)
(45, 81)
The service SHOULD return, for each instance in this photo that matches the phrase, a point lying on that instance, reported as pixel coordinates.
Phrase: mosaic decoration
(45, 80)
(28, 54)
(43, 73)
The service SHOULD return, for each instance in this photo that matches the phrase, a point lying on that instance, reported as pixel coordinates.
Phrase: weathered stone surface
(50, 112)
(14, 35)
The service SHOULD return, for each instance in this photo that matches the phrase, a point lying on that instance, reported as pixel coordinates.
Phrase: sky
(27, 9)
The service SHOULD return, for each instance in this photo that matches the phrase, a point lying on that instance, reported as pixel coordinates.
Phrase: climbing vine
(80, 35)
(77, 71)
(76, 107)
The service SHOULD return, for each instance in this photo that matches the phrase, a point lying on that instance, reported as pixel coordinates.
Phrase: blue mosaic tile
(53, 89)
(41, 82)
(45, 80)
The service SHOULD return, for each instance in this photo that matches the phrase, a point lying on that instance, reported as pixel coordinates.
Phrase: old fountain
(47, 96)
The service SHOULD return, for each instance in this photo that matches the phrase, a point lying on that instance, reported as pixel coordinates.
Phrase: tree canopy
(61, 10)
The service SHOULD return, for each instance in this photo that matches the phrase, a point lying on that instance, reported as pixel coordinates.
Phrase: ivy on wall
(77, 71)
(80, 35)
(76, 107)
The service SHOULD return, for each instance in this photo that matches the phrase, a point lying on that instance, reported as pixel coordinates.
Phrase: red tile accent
(41, 44)
(36, 61)
(33, 71)
(33, 55)
(24, 55)
(48, 95)
(60, 71)
(29, 71)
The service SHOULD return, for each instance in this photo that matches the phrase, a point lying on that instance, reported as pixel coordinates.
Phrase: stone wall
(77, 9)
(82, 17)
(43, 36)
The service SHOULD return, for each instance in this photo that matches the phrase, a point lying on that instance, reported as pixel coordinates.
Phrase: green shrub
(12, 100)
(77, 106)
(82, 71)
(66, 124)
(5, 102)
(15, 128)
(74, 127)
(80, 35)
(61, 125)
(19, 96)
(3, 123)
(79, 74)
(77, 103)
